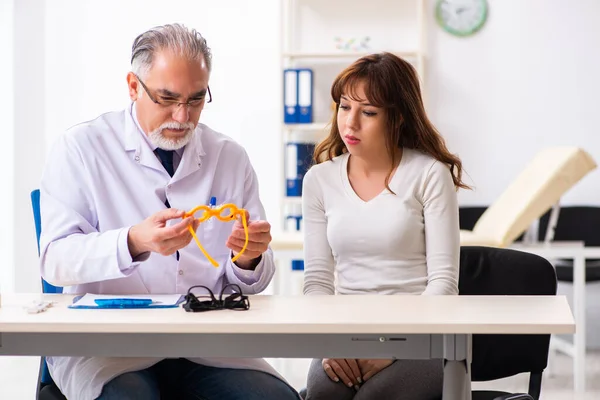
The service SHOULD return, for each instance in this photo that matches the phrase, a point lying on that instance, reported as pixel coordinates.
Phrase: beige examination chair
(536, 189)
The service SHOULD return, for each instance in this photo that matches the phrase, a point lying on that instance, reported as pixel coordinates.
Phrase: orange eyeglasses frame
(208, 213)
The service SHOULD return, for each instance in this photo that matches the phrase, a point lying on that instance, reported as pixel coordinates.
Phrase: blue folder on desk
(115, 301)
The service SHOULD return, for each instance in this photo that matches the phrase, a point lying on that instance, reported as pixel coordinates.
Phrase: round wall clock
(461, 17)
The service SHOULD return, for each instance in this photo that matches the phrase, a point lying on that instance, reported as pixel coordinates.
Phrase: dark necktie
(166, 158)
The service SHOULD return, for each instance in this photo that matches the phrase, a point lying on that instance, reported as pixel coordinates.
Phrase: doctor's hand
(259, 237)
(153, 234)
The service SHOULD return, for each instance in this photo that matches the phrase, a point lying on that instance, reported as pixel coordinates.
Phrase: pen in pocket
(212, 204)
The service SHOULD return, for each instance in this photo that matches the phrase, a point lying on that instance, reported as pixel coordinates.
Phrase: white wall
(528, 79)
(87, 62)
(71, 60)
(29, 140)
(7, 159)
(530, 76)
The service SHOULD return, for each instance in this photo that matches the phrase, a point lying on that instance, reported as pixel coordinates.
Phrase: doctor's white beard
(158, 139)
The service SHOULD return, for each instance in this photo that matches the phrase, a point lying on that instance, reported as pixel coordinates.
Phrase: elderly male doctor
(113, 194)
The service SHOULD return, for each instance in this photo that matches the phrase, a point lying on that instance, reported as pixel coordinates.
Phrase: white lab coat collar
(143, 153)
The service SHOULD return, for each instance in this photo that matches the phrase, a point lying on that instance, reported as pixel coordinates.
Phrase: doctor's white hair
(185, 42)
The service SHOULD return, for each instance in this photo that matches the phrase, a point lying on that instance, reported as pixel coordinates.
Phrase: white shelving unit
(351, 16)
(314, 47)
(342, 55)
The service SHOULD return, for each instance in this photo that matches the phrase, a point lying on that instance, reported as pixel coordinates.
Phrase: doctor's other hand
(153, 234)
(343, 369)
(259, 237)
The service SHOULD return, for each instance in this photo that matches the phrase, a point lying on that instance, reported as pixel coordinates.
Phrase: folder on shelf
(298, 160)
(290, 96)
(297, 95)
(293, 223)
(305, 95)
(293, 217)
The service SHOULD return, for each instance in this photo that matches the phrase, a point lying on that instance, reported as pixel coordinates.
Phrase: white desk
(578, 253)
(417, 327)
(288, 246)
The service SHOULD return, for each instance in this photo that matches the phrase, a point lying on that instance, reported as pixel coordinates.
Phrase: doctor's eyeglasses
(171, 102)
(226, 212)
(234, 301)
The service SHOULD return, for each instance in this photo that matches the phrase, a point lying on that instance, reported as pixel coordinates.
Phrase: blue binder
(305, 96)
(298, 161)
(293, 218)
(290, 96)
(297, 265)
(297, 95)
(296, 222)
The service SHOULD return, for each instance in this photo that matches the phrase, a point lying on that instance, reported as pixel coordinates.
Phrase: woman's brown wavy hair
(390, 83)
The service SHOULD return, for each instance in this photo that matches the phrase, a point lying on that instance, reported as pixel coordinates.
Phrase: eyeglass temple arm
(240, 212)
(208, 257)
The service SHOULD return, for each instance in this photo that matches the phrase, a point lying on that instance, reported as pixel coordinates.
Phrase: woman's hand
(368, 368)
(344, 369)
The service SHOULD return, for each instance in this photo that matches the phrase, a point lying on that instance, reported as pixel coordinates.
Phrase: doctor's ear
(133, 85)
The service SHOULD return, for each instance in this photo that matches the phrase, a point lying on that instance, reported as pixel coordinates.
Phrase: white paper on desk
(158, 300)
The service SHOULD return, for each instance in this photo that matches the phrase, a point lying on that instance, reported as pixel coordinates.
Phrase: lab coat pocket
(215, 234)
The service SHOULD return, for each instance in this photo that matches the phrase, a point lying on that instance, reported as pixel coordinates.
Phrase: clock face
(461, 17)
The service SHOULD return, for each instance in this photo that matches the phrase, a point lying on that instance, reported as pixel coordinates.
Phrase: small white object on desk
(38, 306)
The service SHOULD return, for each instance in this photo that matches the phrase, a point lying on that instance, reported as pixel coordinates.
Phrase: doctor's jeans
(180, 378)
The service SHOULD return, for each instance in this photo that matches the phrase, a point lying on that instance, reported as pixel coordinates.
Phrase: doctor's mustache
(172, 143)
(188, 126)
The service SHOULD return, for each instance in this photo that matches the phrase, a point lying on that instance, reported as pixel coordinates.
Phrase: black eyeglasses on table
(234, 301)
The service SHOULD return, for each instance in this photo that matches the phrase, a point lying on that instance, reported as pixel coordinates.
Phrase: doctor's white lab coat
(101, 178)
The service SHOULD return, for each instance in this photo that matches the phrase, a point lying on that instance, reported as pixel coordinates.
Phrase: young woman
(381, 215)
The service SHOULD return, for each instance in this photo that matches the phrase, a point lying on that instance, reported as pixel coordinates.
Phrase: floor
(19, 375)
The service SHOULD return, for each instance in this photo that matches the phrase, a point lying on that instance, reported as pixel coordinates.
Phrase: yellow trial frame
(216, 212)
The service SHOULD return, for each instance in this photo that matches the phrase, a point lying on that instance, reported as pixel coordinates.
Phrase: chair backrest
(495, 271)
(575, 223)
(44, 377)
(551, 173)
(35, 205)
(469, 215)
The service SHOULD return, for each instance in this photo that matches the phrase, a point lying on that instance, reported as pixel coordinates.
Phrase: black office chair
(580, 224)
(493, 271)
(575, 223)
(469, 215)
